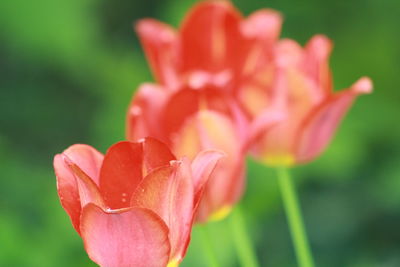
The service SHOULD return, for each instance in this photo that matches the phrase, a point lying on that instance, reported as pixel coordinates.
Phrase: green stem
(243, 244)
(293, 213)
(208, 247)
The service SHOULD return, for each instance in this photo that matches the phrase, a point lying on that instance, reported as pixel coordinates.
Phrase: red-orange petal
(128, 237)
(209, 36)
(125, 164)
(180, 106)
(318, 128)
(168, 191)
(160, 44)
(155, 154)
(184, 103)
(121, 173)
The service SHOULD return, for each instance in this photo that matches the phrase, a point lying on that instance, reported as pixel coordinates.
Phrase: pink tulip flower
(299, 84)
(191, 120)
(199, 68)
(134, 206)
(214, 40)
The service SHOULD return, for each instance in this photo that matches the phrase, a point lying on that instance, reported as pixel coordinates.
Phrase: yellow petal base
(173, 263)
(221, 213)
(286, 160)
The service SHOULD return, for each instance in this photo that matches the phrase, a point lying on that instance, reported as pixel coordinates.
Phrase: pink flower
(299, 84)
(134, 206)
(199, 68)
(191, 120)
(214, 40)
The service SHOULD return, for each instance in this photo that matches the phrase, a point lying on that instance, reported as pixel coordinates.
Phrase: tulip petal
(88, 190)
(319, 127)
(160, 45)
(288, 53)
(68, 190)
(89, 160)
(120, 173)
(180, 106)
(212, 130)
(316, 62)
(261, 29)
(129, 237)
(168, 191)
(144, 112)
(223, 189)
(182, 120)
(266, 119)
(209, 36)
(264, 23)
(124, 166)
(155, 154)
(202, 167)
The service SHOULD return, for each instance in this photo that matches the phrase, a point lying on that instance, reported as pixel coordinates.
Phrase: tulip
(199, 67)
(214, 40)
(193, 119)
(190, 121)
(301, 86)
(134, 206)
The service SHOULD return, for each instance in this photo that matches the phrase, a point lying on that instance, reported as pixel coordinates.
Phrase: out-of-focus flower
(214, 40)
(200, 68)
(193, 119)
(300, 84)
(135, 205)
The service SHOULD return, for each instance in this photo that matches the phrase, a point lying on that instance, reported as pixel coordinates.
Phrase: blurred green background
(68, 70)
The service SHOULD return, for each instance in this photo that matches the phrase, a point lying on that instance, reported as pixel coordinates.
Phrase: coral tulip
(214, 39)
(135, 205)
(300, 83)
(199, 68)
(190, 120)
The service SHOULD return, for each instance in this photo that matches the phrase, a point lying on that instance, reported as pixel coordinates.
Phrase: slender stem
(243, 243)
(293, 213)
(208, 247)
